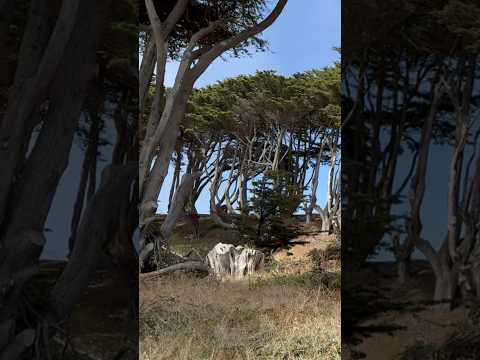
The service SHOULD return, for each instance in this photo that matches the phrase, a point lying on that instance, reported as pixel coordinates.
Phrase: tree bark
(145, 74)
(176, 176)
(227, 261)
(22, 342)
(445, 274)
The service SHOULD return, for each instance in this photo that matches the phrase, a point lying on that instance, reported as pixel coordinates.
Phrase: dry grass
(284, 313)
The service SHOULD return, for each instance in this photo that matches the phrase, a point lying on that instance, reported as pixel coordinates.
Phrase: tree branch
(205, 60)
(188, 265)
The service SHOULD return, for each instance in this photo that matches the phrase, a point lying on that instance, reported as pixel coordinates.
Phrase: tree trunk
(445, 287)
(181, 197)
(152, 184)
(89, 160)
(217, 219)
(243, 200)
(100, 222)
(21, 343)
(56, 89)
(188, 265)
(176, 176)
(326, 221)
(476, 279)
(416, 195)
(475, 264)
(313, 194)
(145, 74)
(402, 253)
(228, 261)
(60, 56)
(308, 217)
(403, 270)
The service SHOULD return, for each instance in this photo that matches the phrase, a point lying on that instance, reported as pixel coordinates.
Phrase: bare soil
(303, 245)
(390, 318)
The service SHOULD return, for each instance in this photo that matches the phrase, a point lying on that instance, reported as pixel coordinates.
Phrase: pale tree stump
(226, 260)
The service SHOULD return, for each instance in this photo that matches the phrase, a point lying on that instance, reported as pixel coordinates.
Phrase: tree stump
(226, 260)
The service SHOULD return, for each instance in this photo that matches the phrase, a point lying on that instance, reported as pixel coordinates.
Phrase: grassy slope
(284, 313)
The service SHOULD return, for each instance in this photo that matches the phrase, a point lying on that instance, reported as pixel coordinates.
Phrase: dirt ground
(97, 327)
(396, 317)
(305, 244)
(210, 234)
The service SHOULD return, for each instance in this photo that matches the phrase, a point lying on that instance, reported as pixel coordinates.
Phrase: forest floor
(388, 319)
(97, 328)
(289, 311)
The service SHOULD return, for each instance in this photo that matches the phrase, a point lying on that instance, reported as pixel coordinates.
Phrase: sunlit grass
(287, 312)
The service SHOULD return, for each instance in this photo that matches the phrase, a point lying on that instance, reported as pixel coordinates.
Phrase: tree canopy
(235, 16)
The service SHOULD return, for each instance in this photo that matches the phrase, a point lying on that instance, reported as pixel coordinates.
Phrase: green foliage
(462, 19)
(411, 26)
(271, 196)
(275, 199)
(209, 110)
(319, 92)
(235, 15)
(231, 107)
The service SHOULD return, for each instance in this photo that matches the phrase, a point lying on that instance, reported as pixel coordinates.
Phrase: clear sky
(301, 39)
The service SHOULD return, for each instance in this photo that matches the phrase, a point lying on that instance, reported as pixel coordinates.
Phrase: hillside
(291, 310)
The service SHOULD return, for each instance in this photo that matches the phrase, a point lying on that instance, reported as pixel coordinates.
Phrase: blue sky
(301, 39)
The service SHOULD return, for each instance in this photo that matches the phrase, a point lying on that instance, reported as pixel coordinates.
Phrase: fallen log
(188, 265)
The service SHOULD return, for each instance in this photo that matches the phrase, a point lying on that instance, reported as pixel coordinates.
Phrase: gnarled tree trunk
(50, 93)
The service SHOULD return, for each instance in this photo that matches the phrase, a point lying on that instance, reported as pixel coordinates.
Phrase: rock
(226, 260)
